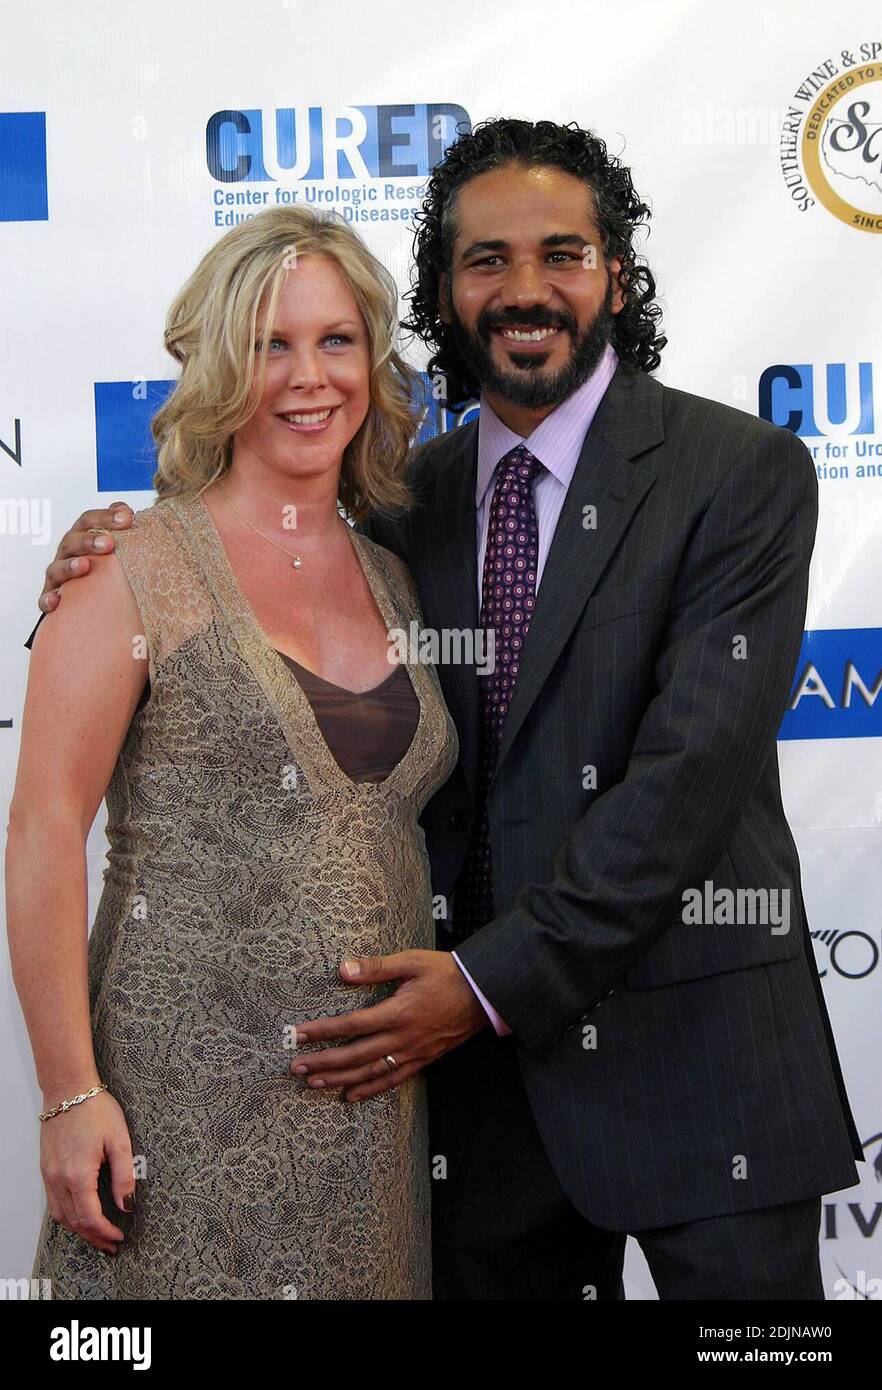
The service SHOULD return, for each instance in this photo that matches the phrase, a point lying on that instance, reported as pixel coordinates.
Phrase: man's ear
(618, 301)
(444, 297)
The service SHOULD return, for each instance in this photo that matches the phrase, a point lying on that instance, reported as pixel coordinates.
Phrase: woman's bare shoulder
(149, 524)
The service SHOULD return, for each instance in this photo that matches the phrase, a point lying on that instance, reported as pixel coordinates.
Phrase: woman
(226, 682)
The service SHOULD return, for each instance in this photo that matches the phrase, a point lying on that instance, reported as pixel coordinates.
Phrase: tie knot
(519, 463)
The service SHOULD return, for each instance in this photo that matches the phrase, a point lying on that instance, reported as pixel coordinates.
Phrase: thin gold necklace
(296, 560)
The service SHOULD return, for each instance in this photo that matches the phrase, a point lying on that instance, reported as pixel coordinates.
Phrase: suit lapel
(627, 423)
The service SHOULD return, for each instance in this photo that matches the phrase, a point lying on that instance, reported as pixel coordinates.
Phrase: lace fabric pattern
(243, 866)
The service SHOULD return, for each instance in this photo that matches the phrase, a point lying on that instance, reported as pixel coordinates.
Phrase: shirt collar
(556, 441)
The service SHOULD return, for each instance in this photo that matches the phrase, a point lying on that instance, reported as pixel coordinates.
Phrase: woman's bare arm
(85, 679)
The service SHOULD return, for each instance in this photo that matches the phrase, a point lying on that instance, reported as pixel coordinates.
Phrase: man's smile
(527, 339)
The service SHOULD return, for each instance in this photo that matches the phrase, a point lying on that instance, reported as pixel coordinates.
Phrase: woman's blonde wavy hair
(211, 331)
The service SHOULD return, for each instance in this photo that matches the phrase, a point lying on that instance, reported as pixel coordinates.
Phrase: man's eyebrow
(478, 246)
(565, 239)
(556, 239)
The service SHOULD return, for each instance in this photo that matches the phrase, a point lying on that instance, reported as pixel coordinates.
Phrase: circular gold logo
(842, 147)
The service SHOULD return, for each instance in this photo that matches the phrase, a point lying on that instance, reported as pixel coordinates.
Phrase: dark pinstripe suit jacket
(710, 1082)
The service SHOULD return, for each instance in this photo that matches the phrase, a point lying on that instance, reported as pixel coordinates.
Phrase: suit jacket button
(457, 820)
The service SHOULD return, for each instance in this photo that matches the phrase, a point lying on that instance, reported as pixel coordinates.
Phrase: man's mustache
(525, 320)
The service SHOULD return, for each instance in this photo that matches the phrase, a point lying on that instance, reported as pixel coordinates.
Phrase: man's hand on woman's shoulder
(76, 545)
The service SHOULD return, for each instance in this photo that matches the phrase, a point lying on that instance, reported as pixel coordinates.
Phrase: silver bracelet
(66, 1104)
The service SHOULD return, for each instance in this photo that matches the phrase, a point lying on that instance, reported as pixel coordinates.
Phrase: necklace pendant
(297, 562)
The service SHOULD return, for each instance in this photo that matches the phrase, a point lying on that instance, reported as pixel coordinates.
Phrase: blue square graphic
(837, 685)
(124, 447)
(24, 194)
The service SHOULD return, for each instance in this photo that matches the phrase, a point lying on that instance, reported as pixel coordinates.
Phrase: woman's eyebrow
(338, 323)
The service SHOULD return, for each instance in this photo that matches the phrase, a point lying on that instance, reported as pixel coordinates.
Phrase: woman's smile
(308, 421)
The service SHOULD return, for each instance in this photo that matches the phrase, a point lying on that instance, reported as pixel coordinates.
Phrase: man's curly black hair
(636, 335)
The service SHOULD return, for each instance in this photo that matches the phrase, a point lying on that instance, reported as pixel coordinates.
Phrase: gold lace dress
(243, 865)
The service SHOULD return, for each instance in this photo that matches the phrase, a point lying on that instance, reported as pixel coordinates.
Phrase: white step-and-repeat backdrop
(132, 135)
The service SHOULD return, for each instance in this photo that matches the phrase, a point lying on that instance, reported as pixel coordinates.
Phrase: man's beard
(532, 386)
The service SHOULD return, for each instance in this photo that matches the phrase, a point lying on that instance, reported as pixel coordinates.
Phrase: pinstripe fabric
(638, 759)
(769, 1255)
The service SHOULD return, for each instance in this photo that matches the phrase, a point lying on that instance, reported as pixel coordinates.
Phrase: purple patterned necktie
(508, 597)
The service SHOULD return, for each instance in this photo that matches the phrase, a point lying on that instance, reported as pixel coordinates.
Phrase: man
(629, 1035)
